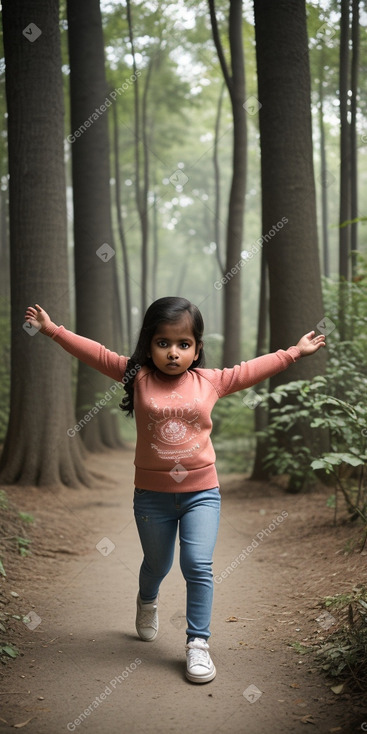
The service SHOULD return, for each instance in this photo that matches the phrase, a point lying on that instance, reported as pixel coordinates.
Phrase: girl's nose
(172, 354)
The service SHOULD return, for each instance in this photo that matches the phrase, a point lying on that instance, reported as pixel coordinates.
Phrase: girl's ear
(198, 347)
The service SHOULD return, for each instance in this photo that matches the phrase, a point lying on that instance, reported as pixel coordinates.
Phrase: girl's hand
(37, 317)
(309, 343)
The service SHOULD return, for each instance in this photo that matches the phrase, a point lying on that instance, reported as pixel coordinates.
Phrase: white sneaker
(146, 619)
(200, 667)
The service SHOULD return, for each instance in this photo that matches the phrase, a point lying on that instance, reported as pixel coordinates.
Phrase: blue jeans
(157, 516)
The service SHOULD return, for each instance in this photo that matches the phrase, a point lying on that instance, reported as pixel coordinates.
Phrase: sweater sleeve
(92, 353)
(247, 374)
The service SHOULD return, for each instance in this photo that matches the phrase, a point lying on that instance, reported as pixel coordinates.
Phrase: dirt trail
(84, 655)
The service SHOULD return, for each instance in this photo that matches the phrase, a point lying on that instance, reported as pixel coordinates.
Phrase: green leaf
(333, 459)
(352, 221)
(352, 460)
(2, 569)
(318, 464)
(9, 650)
(26, 517)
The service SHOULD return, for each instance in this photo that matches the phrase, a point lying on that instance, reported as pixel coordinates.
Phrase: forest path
(86, 601)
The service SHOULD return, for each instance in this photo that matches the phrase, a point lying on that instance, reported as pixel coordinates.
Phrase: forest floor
(79, 650)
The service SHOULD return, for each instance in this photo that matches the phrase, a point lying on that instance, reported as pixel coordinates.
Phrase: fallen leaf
(307, 719)
(23, 723)
(294, 685)
(337, 689)
(232, 619)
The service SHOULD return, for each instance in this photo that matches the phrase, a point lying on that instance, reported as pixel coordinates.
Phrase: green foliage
(333, 406)
(12, 529)
(23, 544)
(233, 434)
(290, 417)
(343, 654)
(9, 650)
(26, 517)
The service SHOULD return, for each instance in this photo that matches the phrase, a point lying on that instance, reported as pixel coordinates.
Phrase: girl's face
(173, 348)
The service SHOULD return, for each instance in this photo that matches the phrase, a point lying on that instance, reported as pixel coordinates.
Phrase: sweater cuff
(295, 353)
(50, 330)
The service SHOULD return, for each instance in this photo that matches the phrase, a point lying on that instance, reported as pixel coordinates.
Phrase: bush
(333, 406)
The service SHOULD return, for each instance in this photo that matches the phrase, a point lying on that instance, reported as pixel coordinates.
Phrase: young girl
(176, 482)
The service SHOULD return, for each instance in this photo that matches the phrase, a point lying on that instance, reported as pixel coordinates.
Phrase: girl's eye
(185, 345)
(162, 343)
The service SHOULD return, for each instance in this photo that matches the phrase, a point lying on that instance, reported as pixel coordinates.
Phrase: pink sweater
(174, 452)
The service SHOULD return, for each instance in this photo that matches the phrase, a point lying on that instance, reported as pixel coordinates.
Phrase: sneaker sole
(201, 678)
(146, 639)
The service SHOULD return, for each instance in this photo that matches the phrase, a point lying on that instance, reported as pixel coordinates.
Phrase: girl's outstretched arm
(309, 343)
(91, 352)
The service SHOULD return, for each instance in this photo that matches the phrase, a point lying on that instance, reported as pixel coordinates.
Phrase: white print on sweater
(174, 425)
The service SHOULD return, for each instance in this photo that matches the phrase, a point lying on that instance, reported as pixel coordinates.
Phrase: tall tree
(353, 133)
(344, 197)
(235, 82)
(37, 448)
(121, 231)
(141, 160)
(97, 307)
(288, 190)
(324, 171)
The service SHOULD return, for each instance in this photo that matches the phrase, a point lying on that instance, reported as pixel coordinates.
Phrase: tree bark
(4, 247)
(344, 202)
(141, 176)
(261, 418)
(94, 274)
(288, 188)
(37, 449)
(353, 135)
(217, 205)
(121, 229)
(324, 172)
(235, 82)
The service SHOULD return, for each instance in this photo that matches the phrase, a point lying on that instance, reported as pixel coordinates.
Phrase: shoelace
(147, 617)
(198, 656)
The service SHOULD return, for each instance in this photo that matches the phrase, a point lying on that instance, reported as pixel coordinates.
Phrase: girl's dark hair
(165, 310)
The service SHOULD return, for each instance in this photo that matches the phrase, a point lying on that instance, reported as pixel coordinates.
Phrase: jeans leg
(198, 533)
(156, 522)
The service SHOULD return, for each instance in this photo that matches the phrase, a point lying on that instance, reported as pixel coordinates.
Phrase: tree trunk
(121, 229)
(141, 177)
(155, 258)
(344, 203)
(324, 175)
(353, 135)
(4, 248)
(217, 206)
(288, 191)
(37, 449)
(94, 257)
(236, 86)
(261, 414)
